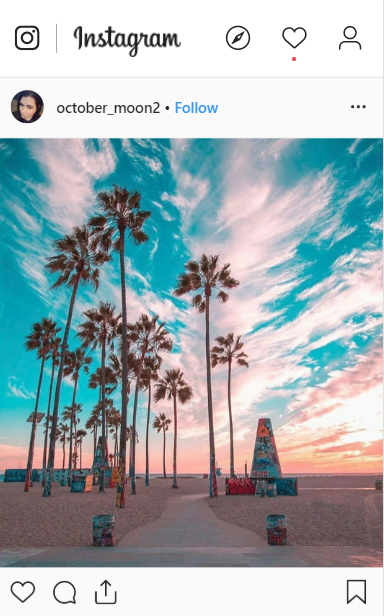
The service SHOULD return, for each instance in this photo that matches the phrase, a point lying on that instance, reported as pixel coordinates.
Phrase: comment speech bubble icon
(64, 592)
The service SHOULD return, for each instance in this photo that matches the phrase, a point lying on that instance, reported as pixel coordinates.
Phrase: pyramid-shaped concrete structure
(265, 463)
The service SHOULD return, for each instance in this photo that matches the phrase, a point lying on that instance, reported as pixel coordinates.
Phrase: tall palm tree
(95, 380)
(40, 339)
(77, 262)
(63, 429)
(75, 362)
(54, 355)
(173, 386)
(149, 336)
(149, 374)
(120, 214)
(229, 351)
(204, 276)
(161, 423)
(114, 421)
(81, 434)
(93, 423)
(100, 330)
(130, 439)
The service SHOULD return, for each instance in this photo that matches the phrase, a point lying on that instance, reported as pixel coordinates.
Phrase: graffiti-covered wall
(265, 463)
(285, 486)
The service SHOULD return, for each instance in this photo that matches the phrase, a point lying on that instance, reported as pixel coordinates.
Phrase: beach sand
(328, 511)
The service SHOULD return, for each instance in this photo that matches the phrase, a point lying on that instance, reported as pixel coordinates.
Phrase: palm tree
(229, 351)
(100, 330)
(174, 386)
(161, 423)
(93, 423)
(81, 434)
(95, 380)
(120, 213)
(76, 263)
(54, 355)
(63, 429)
(114, 421)
(206, 275)
(40, 339)
(149, 374)
(149, 337)
(130, 439)
(75, 361)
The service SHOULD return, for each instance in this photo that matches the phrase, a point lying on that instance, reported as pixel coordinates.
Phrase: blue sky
(300, 221)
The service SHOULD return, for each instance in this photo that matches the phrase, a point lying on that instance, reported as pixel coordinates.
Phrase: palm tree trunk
(81, 454)
(120, 497)
(174, 484)
(232, 455)
(147, 437)
(47, 423)
(103, 421)
(64, 455)
(164, 471)
(33, 431)
(212, 455)
(133, 468)
(55, 415)
(69, 478)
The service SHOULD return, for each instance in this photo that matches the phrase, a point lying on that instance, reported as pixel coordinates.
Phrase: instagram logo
(27, 37)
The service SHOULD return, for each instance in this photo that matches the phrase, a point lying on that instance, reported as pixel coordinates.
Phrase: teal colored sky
(300, 221)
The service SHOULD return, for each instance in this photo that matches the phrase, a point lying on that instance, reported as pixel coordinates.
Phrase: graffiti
(287, 486)
(19, 475)
(271, 488)
(265, 463)
(81, 483)
(239, 486)
(114, 477)
(260, 489)
(276, 529)
(103, 531)
(212, 478)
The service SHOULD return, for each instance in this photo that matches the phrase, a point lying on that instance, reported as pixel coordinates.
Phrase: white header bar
(173, 38)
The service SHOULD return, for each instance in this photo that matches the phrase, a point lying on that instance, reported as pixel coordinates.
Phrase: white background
(319, 106)
(202, 26)
(183, 592)
(247, 108)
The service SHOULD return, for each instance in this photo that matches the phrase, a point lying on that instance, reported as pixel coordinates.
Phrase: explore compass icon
(238, 37)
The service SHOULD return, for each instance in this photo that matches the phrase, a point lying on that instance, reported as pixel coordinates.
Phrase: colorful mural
(81, 483)
(265, 463)
(19, 474)
(285, 486)
(103, 531)
(276, 529)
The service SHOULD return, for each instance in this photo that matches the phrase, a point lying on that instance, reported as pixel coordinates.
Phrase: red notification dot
(294, 59)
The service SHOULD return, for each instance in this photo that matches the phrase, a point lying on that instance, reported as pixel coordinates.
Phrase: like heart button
(22, 590)
(294, 36)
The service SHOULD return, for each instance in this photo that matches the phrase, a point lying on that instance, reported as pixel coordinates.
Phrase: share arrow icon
(105, 600)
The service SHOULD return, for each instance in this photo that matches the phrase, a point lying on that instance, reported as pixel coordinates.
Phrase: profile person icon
(27, 106)
(350, 32)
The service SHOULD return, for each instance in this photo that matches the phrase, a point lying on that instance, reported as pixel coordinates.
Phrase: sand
(329, 511)
(324, 513)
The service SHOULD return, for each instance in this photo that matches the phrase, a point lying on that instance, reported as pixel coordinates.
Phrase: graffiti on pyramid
(265, 461)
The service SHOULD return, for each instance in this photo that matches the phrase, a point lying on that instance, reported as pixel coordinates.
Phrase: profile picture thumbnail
(27, 106)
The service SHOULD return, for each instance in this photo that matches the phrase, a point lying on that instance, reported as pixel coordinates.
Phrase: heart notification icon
(294, 36)
(22, 590)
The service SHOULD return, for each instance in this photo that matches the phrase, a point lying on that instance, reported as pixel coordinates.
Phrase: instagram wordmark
(111, 38)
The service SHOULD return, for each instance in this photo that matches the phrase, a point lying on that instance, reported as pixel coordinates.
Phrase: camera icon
(27, 37)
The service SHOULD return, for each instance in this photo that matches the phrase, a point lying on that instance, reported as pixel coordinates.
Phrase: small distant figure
(350, 32)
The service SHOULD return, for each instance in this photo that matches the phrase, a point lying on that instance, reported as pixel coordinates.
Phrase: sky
(300, 222)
